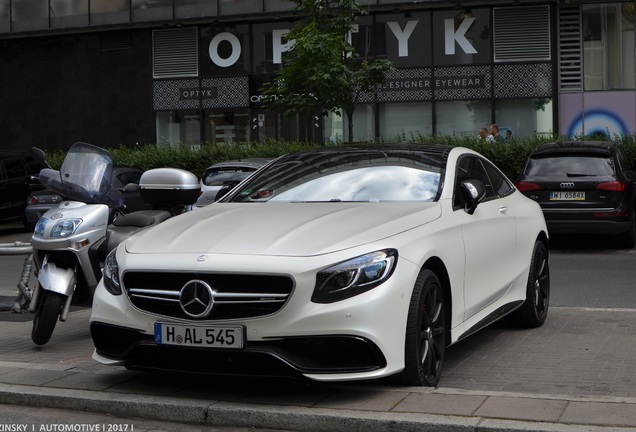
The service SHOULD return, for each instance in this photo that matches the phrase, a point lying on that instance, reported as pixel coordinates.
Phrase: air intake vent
(570, 50)
(522, 33)
(116, 41)
(175, 53)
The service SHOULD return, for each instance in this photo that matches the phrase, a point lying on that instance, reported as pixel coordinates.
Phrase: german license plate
(567, 196)
(199, 335)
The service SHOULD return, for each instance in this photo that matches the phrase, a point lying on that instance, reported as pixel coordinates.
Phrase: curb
(299, 419)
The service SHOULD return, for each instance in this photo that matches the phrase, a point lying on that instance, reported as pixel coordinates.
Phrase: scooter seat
(142, 218)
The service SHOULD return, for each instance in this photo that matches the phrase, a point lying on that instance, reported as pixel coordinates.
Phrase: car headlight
(65, 228)
(354, 276)
(111, 274)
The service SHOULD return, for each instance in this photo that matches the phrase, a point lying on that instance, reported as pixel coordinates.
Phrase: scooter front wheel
(46, 316)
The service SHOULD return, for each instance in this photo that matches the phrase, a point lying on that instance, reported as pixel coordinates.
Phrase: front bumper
(293, 356)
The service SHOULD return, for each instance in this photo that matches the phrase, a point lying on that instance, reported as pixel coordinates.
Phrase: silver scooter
(71, 241)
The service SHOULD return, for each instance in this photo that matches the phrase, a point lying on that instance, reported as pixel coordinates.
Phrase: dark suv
(583, 187)
(16, 171)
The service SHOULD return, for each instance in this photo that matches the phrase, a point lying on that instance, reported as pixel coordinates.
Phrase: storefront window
(363, 124)
(69, 14)
(232, 7)
(227, 126)
(525, 117)
(194, 8)
(30, 15)
(178, 127)
(405, 121)
(278, 5)
(608, 37)
(4, 16)
(109, 12)
(151, 10)
(462, 117)
(336, 128)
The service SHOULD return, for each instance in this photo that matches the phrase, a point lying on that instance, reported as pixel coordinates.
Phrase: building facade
(126, 72)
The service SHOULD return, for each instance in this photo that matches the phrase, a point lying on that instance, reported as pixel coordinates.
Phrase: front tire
(46, 316)
(425, 333)
(534, 310)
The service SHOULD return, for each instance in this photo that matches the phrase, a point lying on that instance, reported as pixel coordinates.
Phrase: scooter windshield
(85, 176)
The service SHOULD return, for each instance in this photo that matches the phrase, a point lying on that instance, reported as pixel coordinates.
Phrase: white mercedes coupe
(340, 263)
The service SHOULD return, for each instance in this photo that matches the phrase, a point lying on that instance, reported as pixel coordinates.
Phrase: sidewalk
(62, 375)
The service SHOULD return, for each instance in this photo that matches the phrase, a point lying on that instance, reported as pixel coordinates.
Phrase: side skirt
(494, 316)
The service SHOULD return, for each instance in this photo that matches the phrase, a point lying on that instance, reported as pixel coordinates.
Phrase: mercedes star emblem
(196, 298)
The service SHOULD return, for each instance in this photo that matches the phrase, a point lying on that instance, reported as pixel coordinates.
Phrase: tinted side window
(33, 166)
(622, 160)
(500, 184)
(15, 168)
(470, 167)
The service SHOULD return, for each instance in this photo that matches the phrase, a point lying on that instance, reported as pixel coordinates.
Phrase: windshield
(354, 176)
(570, 166)
(85, 175)
(219, 176)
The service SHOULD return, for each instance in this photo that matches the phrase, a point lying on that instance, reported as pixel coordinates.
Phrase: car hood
(282, 229)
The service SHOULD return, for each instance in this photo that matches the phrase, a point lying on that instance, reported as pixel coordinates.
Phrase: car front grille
(236, 296)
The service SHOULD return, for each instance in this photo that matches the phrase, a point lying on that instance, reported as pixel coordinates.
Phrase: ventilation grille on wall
(570, 49)
(175, 53)
(522, 33)
(116, 41)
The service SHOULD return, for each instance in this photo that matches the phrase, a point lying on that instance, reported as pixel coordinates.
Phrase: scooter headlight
(111, 274)
(65, 228)
(40, 227)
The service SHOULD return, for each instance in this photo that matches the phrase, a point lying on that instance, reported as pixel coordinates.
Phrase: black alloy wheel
(534, 310)
(425, 333)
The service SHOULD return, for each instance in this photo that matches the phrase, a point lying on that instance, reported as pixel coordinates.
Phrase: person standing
(494, 132)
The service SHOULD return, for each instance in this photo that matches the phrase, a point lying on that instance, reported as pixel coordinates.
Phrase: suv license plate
(199, 335)
(567, 196)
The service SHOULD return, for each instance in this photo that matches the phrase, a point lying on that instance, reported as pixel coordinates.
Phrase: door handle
(503, 210)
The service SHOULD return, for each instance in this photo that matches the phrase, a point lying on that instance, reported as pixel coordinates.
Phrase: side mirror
(227, 186)
(40, 156)
(473, 192)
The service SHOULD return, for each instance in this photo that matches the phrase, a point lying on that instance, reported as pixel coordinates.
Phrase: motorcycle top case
(169, 186)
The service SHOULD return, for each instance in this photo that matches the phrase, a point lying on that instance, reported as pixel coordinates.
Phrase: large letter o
(213, 50)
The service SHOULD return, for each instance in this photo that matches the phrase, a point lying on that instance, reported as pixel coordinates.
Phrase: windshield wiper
(580, 175)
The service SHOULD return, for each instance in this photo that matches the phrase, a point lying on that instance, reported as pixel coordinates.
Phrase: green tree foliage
(322, 71)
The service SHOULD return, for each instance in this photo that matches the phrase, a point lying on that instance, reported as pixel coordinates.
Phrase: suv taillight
(614, 186)
(526, 186)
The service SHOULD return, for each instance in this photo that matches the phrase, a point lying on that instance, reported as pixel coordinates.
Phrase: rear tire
(425, 333)
(630, 236)
(46, 316)
(534, 310)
